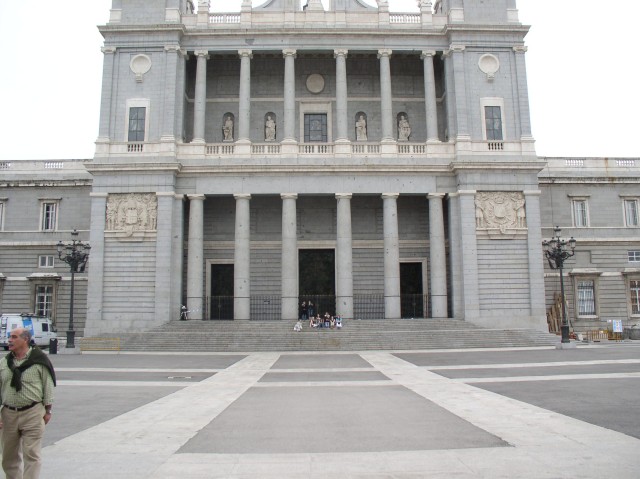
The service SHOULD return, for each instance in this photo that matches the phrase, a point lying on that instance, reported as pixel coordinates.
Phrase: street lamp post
(76, 255)
(556, 252)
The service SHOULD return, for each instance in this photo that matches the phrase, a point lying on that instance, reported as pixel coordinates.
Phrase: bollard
(53, 346)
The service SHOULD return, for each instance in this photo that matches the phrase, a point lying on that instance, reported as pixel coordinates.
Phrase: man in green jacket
(27, 379)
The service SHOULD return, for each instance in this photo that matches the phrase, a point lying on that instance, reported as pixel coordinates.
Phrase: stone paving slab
(541, 371)
(148, 435)
(323, 376)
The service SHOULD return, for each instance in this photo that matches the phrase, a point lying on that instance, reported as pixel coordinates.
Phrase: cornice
(234, 170)
(535, 166)
(102, 168)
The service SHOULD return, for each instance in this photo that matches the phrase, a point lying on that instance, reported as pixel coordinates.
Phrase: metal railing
(266, 307)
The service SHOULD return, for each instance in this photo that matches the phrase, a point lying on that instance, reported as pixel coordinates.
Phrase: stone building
(378, 164)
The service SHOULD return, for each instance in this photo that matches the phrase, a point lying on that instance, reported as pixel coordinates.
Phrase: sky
(581, 65)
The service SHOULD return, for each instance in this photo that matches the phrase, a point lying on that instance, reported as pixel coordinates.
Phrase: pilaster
(536, 268)
(164, 243)
(104, 134)
(469, 254)
(95, 288)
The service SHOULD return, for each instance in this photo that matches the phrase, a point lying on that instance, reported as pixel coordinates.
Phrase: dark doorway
(221, 304)
(317, 279)
(411, 293)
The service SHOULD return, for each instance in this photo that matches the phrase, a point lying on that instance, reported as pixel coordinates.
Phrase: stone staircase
(356, 335)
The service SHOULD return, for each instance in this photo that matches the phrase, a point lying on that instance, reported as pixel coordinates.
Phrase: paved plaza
(526, 413)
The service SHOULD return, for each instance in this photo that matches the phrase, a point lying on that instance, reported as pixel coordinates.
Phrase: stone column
(289, 96)
(242, 259)
(195, 253)
(462, 113)
(523, 94)
(104, 134)
(536, 261)
(168, 115)
(289, 257)
(457, 285)
(437, 257)
(177, 254)
(95, 288)
(164, 236)
(431, 107)
(386, 102)
(179, 119)
(450, 97)
(391, 256)
(469, 254)
(344, 257)
(244, 107)
(200, 105)
(341, 95)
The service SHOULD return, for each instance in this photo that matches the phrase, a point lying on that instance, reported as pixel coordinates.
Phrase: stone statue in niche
(132, 212)
(361, 129)
(501, 210)
(404, 128)
(227, 129)
(269, 129)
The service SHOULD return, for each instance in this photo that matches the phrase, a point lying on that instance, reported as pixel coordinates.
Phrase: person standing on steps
(27, 379)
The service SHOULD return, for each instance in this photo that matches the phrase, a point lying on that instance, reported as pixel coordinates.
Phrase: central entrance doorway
(412, 300)
(317, 279)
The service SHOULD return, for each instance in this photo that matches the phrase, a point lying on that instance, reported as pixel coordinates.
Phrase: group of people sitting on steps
(307, 311)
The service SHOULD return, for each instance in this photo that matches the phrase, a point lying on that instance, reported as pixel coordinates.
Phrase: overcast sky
(581, 63)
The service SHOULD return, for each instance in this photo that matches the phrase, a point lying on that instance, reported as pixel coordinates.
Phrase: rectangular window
(44, 300)
(49, 216)
(586, 298)
(45, 261)
(631, 213)
(315, 127)
(634, 256)
(493, 123)
(580, 216)
(634, 287)
(137, 116)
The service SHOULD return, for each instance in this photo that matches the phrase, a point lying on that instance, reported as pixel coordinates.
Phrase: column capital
(520, 49)
(289, 196)
(196, 196)
(106, 50)
(384, 52)
(532, 193)
(435, 195)
(172, 48)
(467, 192)
(165, 193)
(245, 53)
(98, 194)
(390, 196)
(427, 53)
(456, 48)
(201, 53)
(344, 196)
(340, 52)
(289, 52)
(242, 196)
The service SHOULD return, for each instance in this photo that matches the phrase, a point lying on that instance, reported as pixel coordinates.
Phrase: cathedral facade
(380, 165)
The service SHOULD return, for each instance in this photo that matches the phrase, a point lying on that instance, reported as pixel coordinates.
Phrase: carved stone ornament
(139, 65)
(315, 83)
(132, 212)
(489, 65)
(501, 212)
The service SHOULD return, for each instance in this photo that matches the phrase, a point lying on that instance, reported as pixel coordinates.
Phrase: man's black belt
(20, 408)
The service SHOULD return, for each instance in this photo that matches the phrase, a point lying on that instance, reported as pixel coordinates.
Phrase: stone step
(239, 336)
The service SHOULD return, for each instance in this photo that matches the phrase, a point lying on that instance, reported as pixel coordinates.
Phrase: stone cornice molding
(102, 168)
(534, 166)
(384, 52)
(340, 52)
(289, 52)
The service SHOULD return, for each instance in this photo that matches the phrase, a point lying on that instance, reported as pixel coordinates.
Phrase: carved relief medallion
(131, 212)
(500, 210)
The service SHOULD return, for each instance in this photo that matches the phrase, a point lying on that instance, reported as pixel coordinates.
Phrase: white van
(41, 328)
